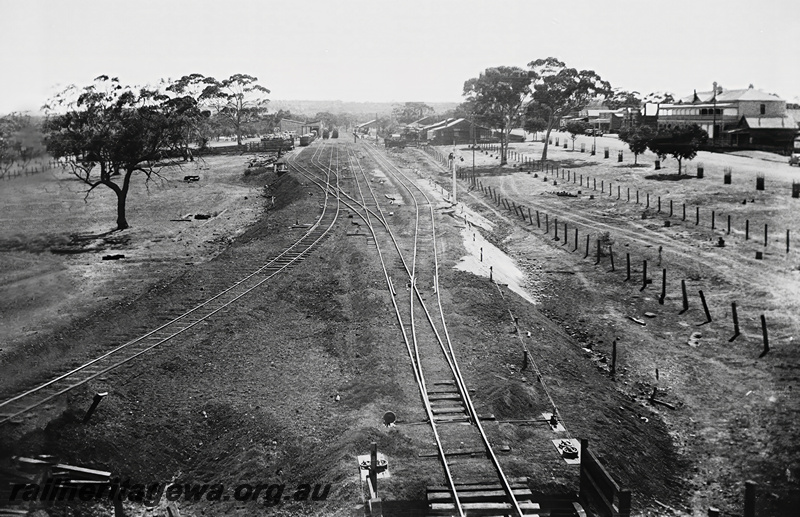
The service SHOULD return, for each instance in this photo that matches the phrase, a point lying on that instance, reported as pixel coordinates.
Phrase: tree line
(106, 132)
(20, 141)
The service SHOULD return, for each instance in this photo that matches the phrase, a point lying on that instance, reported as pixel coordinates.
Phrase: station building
(744, 119)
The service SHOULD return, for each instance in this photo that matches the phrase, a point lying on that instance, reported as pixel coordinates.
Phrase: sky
(395, 51)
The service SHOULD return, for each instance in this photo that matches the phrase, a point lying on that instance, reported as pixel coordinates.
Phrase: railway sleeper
(447, 410)
(451, 419)
(489, 509)
(483, 494)
(447, 390)
(513, 482)
(443, 396)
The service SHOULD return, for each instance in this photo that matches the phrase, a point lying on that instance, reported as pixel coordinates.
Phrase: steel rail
(457, 372)
(380, 216)
(417, 366)
(287, 259)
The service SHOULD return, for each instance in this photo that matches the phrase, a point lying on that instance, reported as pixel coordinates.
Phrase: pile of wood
(262, 160)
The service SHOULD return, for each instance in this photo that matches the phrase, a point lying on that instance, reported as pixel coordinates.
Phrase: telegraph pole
(454, 167)
(473, 149)
(714, 124)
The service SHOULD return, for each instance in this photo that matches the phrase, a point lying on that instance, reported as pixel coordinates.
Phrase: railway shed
(459, 131)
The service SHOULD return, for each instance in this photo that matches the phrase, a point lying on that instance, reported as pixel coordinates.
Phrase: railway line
(443, 391)
(13, 406)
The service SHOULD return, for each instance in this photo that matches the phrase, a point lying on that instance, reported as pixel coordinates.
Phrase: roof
(705, 105)
(597, 113)
(449, 123)
(746, 94)
(770, 122)
(453, 123)
(456, 122)
(437, 124)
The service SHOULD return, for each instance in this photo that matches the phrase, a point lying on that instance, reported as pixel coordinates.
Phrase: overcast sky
(399, 50)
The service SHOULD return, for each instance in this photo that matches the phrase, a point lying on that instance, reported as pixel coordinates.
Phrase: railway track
(443, 391)
(12, 407)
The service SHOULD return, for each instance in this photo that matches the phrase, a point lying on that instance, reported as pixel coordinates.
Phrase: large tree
(106, 132)
(681, 142)
(638, 138)
(620, 98)
(191, 119)
(496, 98)
(411, 111)
(559, 91)
(238, 100)
(659, 98)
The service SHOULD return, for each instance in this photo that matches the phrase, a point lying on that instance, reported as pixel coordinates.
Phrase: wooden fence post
(705, 307)
(644, 275)
(685, 297)
(766, 337)
(749, 498)
(735, 315)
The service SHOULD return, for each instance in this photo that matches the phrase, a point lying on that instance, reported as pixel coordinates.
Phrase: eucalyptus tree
(559, 90)
(106, 132)
(496, 98)
(238, 100)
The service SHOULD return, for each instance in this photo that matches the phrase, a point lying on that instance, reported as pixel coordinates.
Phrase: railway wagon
(276, 145)
(307, 139)
(394, 141)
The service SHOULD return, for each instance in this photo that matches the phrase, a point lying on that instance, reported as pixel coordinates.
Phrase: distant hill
(311, 108)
